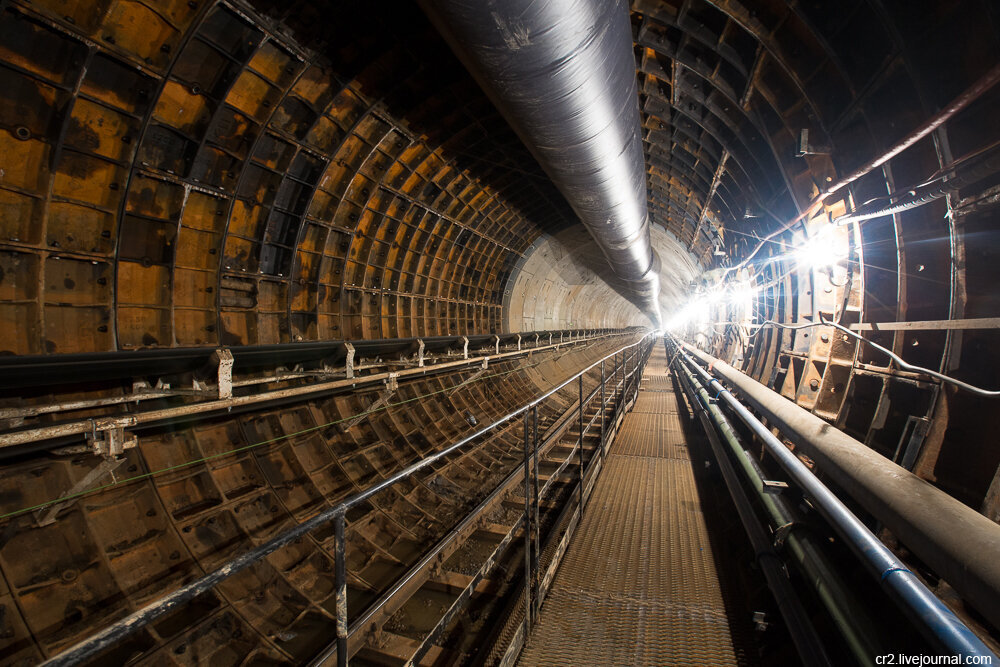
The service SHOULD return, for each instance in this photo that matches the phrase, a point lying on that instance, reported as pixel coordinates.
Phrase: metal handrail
(111, 635)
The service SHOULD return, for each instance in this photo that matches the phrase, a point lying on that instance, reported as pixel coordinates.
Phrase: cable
(925, 194)
(939, 175)
(902, 364)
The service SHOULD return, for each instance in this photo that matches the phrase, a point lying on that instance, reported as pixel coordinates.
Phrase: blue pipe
(937, 621)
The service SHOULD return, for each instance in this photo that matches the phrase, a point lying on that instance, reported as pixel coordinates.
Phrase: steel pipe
(957, 542)
(562, 73)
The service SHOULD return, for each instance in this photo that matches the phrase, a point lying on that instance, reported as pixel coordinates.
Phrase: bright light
(820, 251)
(742, 294)
(696, 313)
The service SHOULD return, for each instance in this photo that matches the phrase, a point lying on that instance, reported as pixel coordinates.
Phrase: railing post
(538, 539)
(527, 527)
(635, 378)
(629, 376)
(340, 567)
(620, 370)
(603, 453)
(580, 412)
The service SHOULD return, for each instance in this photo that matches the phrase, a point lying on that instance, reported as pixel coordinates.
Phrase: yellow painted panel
(153, 198)
(75, 281)
(143, 327)
(198, 250)
(194, 288)
(205, 212)
(88, 179)
(239, 328)
(19, 327)
(247, 220)
(272, 296)
(18, 276)
(147, 285)
(195, 327)
(20, 217)
(96, 129)
(252, 95)
(313, 86)
(85, 14)
(178, 107)
(274, 64)
(77, 329)
(139, 30)
(24, 164)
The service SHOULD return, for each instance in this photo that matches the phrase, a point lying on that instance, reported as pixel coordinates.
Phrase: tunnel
(496, 332)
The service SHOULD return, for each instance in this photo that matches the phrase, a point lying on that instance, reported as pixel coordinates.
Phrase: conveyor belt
(638, 585)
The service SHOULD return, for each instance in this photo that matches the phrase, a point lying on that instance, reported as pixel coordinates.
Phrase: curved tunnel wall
(564, 283)
(179, 175)
(199, 495)
(214, 173)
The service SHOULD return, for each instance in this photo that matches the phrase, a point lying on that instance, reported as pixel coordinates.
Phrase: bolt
(814, 384)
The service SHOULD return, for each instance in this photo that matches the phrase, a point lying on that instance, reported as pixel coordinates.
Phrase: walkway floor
(638, 585)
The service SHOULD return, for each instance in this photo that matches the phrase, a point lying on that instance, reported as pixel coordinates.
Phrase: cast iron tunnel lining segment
(276, 185)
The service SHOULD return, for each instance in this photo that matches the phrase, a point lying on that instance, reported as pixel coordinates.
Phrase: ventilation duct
(562, 73)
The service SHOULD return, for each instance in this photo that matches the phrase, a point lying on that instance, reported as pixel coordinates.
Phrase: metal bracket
(773, 486)
(142, 387)
(496, 344)
(803, 147)
(518, 342)
(472, 378)
(224, 382)
(921, 426)
(349, 361)
(782, 533)
(111, 443)
(391, 385)
(47, 515)
(415, 360)
(465, 347)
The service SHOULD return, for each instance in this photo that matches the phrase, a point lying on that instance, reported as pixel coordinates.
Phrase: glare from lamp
(695, 313)
(819, 252)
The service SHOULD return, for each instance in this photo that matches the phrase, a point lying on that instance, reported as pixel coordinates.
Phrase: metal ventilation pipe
(562, 73)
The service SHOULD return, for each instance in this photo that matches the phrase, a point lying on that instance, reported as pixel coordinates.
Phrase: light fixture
(820, 251)
(694, 313)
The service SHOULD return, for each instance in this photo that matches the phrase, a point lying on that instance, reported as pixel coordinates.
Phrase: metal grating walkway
(638, 585)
